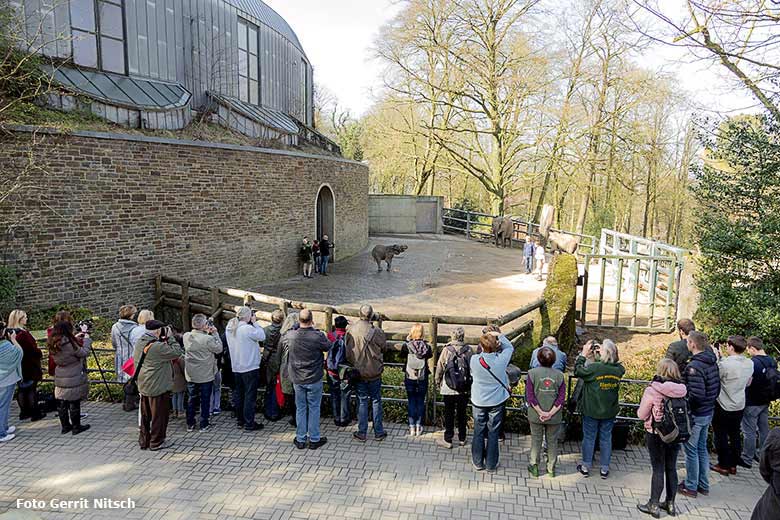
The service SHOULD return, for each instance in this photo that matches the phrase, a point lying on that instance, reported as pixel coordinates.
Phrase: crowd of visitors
(315, 256)
(696, 385)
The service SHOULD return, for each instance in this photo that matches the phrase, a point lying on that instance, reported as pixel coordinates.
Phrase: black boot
(62, 410)
(650, 509)
(669, 507)
(75, 418)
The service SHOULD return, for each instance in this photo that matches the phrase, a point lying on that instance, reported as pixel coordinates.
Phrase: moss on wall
(556, 318)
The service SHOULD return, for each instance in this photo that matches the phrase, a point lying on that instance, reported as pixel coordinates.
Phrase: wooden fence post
(434, 326)
(284, 307)
(329, 319)
(185, 305)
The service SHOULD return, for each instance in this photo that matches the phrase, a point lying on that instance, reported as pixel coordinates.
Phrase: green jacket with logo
(600, 398)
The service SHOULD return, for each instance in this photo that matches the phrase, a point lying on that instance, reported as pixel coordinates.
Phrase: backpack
(675, 425)
(457, 374)
(415, 367)
(771, 387)
(337, 354)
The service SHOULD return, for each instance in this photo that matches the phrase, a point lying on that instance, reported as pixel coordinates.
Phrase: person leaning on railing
(600, 401)
(69, 352)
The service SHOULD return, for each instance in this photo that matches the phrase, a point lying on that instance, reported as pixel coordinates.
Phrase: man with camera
(243, 335)
(366, 344)
(200, 366)
(154, 352)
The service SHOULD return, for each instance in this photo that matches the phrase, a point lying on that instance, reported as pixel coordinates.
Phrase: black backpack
(675, 425)
(771, 387)
(457, 373)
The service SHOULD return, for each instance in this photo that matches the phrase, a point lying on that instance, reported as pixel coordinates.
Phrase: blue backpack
(337, 354)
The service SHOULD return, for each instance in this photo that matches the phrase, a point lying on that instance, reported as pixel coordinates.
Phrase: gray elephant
(386, 253)
(503, 230)
(555, 240)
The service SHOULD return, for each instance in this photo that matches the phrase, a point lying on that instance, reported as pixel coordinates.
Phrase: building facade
(156, 63)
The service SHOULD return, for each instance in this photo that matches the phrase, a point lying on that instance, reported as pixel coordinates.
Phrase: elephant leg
(389, 262)
(378, 264)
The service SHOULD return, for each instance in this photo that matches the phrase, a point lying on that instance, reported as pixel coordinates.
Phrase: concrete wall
(399, 213)
(100, 215)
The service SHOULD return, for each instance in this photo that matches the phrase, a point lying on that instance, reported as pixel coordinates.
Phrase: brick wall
(100, 215)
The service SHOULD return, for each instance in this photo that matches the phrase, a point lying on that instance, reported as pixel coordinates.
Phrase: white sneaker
(412, 431)
(8, 437)
(419, 429)
(11, 429)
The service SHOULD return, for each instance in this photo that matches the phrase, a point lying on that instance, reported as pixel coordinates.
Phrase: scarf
(10, 360)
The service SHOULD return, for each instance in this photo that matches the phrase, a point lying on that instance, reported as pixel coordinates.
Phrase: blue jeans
(590, 429)
(755, 419)
(177, 401)
(697, 457)
(6, 396)
(415, 393)
(340, 393)
(487, 424)
(307, 411)
(529, 264)
(216, 393)
(199, 393)
(370, 391)
(324, 263)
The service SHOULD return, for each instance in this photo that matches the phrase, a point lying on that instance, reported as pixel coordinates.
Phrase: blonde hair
(668, 369)
(416, 332)
(144, 316)
(15, 319)
(242, 313)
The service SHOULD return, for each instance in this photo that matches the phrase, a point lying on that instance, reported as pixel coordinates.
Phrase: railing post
(434, 326)
(468, 224)
(185, 306)
(284, 307)
(329, 319)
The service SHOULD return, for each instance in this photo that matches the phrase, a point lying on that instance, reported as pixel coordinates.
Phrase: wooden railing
(478, 225)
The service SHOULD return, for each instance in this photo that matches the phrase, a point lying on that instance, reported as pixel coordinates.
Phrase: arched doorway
(326, 213)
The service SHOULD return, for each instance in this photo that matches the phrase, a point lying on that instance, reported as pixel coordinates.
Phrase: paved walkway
(226, 474)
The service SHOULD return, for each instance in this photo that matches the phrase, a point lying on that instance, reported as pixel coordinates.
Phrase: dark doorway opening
(326, 214)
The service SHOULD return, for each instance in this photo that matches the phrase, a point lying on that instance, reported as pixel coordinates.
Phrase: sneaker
(318, 444)
(477, 468)
(8, 437)
(205, 428)
(190, 429)
(742, 464)
(462, 443)
(682, 490)
(444, 444)
(165, 445)
(412, 431)
(216, 412)
(84, 415)
(359, 436)
(583, 470)
(299, 445)
(604, 474)
(11, 429)
(420, 429)
(533, 469)
(380, 436)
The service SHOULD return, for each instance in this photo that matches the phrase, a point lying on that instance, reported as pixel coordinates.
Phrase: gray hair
(458, 334)
(243, 313)
(199, 321)
(550, 342)
(366, 312)
(609, 351)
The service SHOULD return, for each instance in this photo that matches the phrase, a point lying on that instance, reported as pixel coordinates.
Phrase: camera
(84, 326)
(210, 324)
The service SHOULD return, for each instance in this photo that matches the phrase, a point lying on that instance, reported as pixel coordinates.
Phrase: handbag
(279, 392)
(130, 389)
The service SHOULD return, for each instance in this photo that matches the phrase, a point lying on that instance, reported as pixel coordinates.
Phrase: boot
(62, 410)
(669, 507)
(650, 509)
(75, 418)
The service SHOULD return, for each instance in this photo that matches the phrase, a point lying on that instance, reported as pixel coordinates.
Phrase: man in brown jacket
(365, 345)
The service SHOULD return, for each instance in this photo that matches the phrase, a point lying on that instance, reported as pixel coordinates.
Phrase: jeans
(199, 393)
(529, 264)
(697, 458)
(340, 393)
(317, 263)
(270, 404)
(324, 263)
(590, 429)
(177, 401)
(370, 391)
(663, 460)
(455, 405)
(246, 393)
(6, 396)
(216, 393)
(415, 394)
(307, 414)
(755, 419)
(538, 433)
(728, 440)
(484, 445)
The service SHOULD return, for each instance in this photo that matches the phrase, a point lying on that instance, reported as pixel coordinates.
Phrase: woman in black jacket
(768, 507)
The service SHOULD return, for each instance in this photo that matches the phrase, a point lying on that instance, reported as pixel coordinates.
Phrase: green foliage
(41, 319)
(8, 284)
(738, 231)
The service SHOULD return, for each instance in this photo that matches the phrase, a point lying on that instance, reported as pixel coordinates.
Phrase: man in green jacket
(201, 345)
(157, 347)
(600, 370)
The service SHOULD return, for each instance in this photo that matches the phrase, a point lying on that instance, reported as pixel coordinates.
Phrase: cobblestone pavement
(225, 473)
(439, 274)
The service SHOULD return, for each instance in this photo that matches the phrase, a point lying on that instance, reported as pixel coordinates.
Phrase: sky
(338, 35)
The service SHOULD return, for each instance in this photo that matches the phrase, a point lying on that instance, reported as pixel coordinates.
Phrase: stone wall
(404, 214)
(100, 215)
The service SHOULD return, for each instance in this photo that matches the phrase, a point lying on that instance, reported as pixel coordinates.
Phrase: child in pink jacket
(663, 457)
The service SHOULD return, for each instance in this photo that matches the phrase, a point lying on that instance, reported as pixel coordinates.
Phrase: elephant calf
(386, 253)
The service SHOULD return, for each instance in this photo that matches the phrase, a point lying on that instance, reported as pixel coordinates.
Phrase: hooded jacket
(652, 404)
(418, 352)
(702, 378)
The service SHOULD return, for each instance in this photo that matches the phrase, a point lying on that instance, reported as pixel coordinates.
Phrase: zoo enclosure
(477, 225)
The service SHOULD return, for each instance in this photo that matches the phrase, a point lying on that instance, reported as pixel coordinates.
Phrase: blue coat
(486, 392)
(702, 378)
